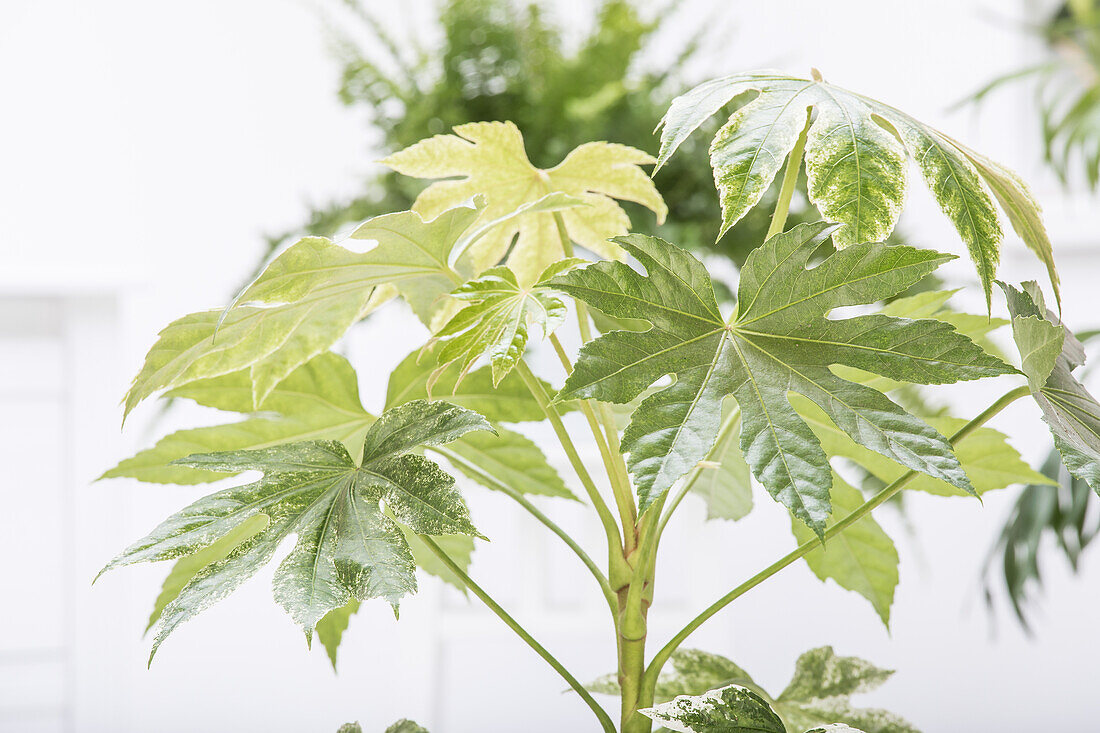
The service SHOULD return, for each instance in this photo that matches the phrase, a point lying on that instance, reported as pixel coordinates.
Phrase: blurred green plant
(1061, 515)
(1066, 88)
(499, 61)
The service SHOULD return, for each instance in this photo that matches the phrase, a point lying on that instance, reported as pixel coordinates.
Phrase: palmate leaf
(488, 158)
(817, 695)
(309, 295)
(319, 400)
(330, 629)
(779, 341)
(1071, 413)
(495, 319)
(346, 547)
(856, 151)
(819, 692)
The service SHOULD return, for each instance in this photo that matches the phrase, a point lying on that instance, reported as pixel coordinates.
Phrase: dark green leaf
(779, 341)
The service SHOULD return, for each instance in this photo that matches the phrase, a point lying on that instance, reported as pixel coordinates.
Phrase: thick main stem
(634, 602)
(605, 720)
(649, 681)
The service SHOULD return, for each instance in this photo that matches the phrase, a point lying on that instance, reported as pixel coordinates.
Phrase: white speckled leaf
(779, 341)
(731, 709)
(346, 546)
(687, 672)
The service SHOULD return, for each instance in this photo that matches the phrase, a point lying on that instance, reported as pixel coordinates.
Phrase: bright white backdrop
(146, 146)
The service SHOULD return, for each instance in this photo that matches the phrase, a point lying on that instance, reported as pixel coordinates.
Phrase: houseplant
(773, 387)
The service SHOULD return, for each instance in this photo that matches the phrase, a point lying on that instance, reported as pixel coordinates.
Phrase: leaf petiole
(605, 720)
(659, 659)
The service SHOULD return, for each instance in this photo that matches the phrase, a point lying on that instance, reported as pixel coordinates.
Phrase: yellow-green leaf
(488, 158)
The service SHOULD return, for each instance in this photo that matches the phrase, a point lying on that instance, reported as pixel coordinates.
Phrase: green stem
(620, 484)
(537, 513)
(605, 720)
(611, 529)
(790, 178)
(654, 668)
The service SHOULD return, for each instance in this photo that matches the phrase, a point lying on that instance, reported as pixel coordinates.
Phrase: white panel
(34, 533)
(31, 684)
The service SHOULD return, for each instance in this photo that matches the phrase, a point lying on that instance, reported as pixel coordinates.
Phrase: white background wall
(144, 148)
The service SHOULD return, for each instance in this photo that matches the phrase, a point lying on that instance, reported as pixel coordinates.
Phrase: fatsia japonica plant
(804, 378)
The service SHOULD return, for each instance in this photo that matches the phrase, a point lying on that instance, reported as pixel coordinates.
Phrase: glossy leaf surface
(779, 341)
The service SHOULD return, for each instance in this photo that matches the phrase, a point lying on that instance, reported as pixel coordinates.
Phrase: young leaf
(489, 158)
(346, 546)
(856, 151)
(861, 559)
(730, 709)
(509, 401)
(507, 457)
(780, 341)
(495, 319)
(1071, 413)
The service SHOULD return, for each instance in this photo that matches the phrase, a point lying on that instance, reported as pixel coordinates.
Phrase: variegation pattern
(489, 159)
(347, 547)
(856, 154)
